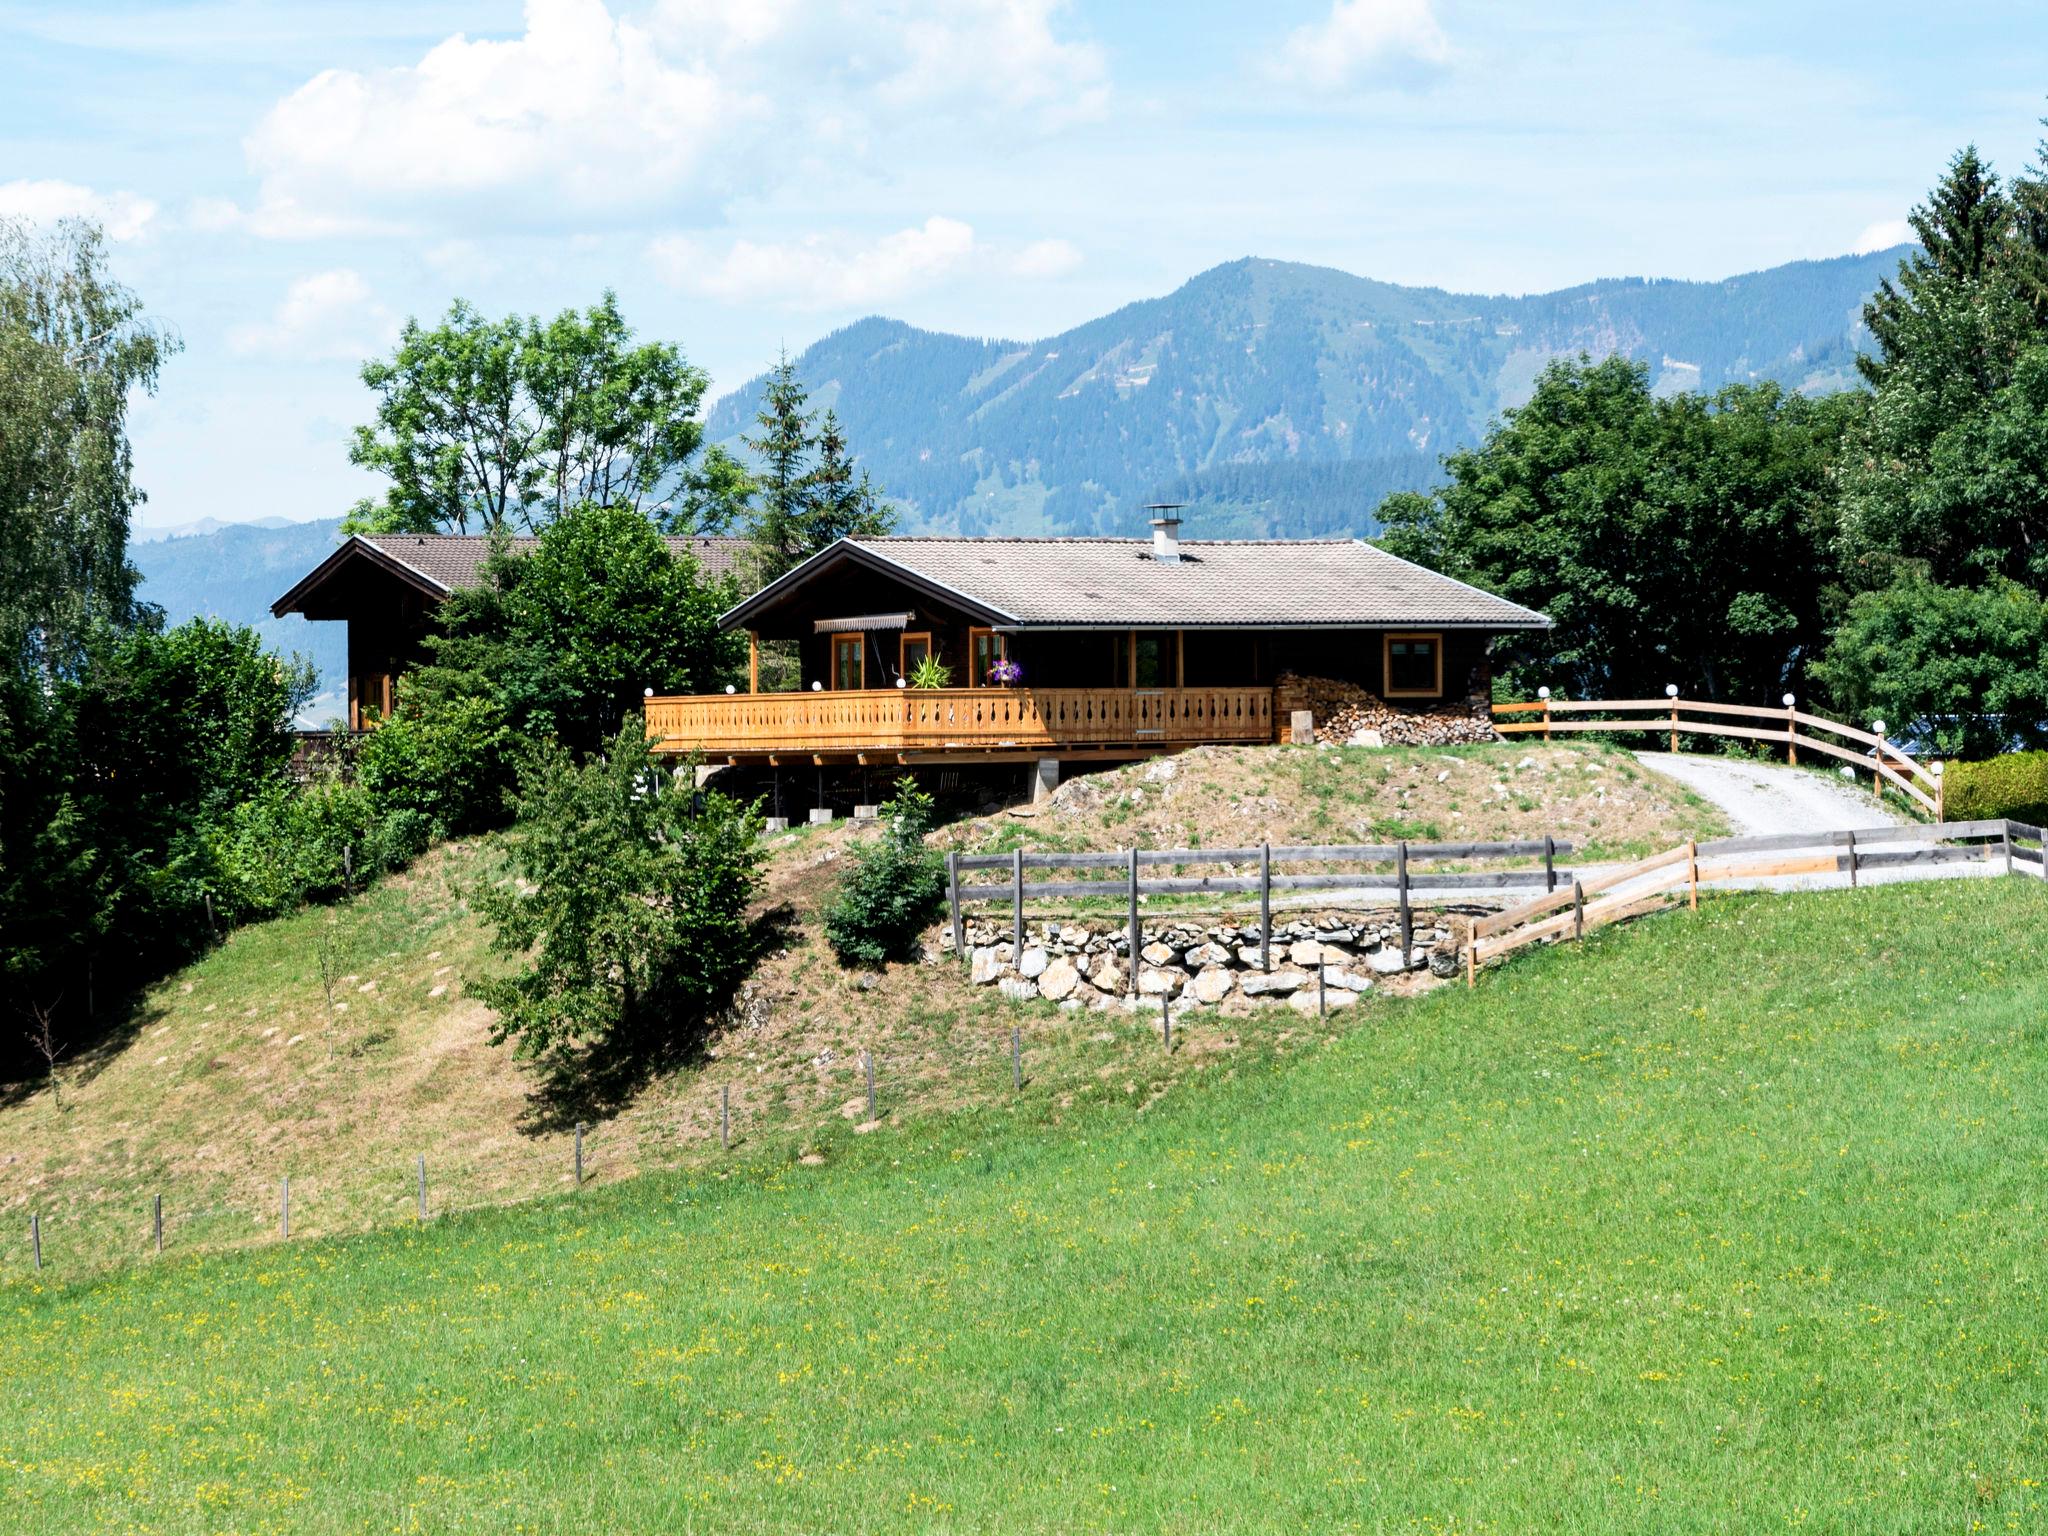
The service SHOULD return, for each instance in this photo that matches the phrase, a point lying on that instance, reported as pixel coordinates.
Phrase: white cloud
(1363, 40)
(587, 116)
(580, 112)
(123, 215)
(1883, 235)
(326, 316)
(1045, 258)
(820, 271)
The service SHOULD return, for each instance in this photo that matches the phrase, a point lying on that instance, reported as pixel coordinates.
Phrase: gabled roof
(439, 563)
(1117, 584)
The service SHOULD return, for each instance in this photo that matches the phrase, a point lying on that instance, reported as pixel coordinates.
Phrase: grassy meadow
(1727, 1222)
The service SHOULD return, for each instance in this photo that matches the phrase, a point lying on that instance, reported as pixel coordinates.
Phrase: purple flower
(1005, 673)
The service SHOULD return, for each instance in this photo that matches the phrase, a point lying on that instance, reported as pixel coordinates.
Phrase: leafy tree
(596, 614)
(445, 754)
(496, 424)
(630, 910)
(75, 347)
(1963, 670)
(890, 887)
(1681, 540)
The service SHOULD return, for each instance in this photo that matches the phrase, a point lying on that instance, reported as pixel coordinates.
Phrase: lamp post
(1791, 732)
(1671, 693)
(1544, 695)
(1877, 753)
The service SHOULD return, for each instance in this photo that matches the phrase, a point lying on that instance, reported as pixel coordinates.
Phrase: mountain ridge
(1347, 387)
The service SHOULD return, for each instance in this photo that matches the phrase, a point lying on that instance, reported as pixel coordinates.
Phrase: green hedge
(2014, 785)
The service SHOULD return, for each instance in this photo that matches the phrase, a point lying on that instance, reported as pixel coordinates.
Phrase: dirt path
(1761, 799)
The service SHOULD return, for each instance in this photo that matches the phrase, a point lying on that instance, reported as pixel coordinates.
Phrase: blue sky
(286, 183)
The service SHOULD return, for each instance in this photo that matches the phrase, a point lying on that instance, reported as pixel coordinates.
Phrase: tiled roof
(453, 561)
(1222, 583)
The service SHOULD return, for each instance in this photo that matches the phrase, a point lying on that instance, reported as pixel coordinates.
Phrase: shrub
(442, 761)
(891, 888)
(288, 846)
(630, 906)
(2014, 785)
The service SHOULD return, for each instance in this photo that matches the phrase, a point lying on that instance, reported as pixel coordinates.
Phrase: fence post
(1016, 1059)
(2005, 837)
(159, 1223)
(953, 901)
(35, 1237)
(1549, 863)
(1323, 990)
(284, 1207)
(1166, 1021)
(423, 1188)
(1017, 905)
(1137, 934)
(1266, 907)
(1471, 952)
(1674, 721)
(1791, 731)
(1578, 910)
(725, 1117)
(1544, 695)
(1852, 858)
(1692, 874)
(579, 1154)
(867, 1065)
(1401, 890)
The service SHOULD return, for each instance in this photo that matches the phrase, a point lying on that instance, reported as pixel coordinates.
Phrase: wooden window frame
(999, 648)
(903, 645)
(860, 644)
(1387, 688)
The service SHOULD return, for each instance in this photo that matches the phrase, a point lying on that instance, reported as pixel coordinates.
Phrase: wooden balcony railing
(963, 719)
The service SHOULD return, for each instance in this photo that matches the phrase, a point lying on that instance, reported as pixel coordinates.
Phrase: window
(1414, 666)
(849, 661)
(984, 649)
(912, 649)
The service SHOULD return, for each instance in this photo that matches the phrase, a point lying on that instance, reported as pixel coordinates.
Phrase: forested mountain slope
(1278, 398)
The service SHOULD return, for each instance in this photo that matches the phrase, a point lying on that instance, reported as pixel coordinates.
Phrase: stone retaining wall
(1086, 962)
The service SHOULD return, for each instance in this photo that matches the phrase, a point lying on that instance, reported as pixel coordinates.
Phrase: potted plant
(930, 672)
(1006, 674)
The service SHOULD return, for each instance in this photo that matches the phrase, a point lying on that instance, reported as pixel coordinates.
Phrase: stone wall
(1194, 962)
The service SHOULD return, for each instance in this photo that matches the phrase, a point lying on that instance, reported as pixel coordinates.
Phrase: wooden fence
(1398, 879)
(1652, 884)
(1888, 763)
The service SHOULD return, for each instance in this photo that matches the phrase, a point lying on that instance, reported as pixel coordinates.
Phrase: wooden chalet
(1120, 647)
(385, 588)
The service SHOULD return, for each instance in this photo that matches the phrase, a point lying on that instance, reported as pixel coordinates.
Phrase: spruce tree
(1966, 235)
(783, 446)
(842, 501)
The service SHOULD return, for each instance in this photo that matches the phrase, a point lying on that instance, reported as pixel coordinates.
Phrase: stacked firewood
(1346, 713)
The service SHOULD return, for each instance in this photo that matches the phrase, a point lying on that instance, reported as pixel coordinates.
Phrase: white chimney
(1166, 539)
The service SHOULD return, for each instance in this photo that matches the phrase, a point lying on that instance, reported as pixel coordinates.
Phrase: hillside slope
(1278, 398)
(1730, 1221)
(240, 1071)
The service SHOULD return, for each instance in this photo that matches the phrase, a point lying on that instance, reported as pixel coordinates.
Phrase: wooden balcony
(906, 724)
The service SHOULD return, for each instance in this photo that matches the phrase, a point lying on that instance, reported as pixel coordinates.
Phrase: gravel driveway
(1760, 799)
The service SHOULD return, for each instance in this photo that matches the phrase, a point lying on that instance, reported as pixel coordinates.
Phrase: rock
(1017, 991)
(1367, 738)
(1305, 952)
(1033, 964)
(1156, 953)
(1445, 961)
(985, 967)
(1304, 1001)
(1208, 954)
(1212, 985)
(1261, 985)
(1109, 975)
(1058, 980)
(1349, 981)
(1154, 982)
(1252, 955)
(1386, 961)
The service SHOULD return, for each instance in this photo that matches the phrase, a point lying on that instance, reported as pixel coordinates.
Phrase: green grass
(1730, 1222)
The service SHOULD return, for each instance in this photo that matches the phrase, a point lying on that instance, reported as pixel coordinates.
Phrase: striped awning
(860, 622)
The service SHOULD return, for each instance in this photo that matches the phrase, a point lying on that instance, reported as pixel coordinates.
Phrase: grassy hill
(248, 1066)
(1723, 1222)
